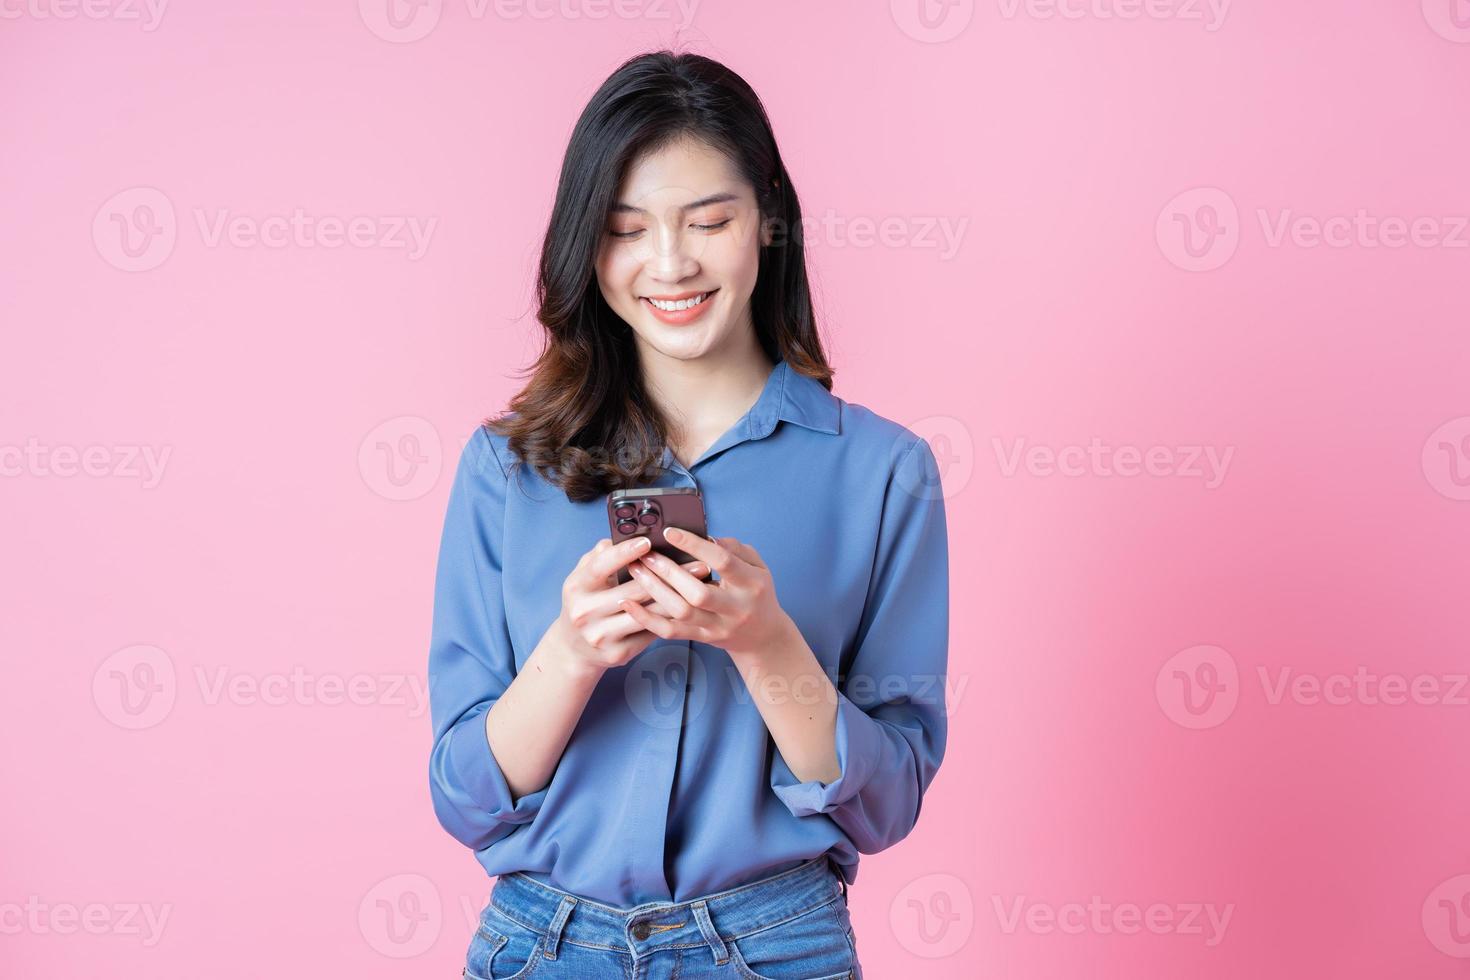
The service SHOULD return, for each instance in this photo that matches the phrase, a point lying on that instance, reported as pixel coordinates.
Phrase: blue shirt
(671, 786)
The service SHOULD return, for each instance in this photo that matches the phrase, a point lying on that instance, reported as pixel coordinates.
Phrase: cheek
(734, 260)
(616, 271)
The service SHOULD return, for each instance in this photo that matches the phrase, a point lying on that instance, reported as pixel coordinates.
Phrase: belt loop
(707, 928)
(553, 931)
(836, 869)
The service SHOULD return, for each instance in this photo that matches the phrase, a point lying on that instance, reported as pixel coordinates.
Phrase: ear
(766, 233)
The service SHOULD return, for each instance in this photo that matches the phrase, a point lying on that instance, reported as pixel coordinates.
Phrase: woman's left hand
(739, 613)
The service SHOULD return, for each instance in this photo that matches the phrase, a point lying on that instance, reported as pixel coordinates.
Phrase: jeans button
(641, 931)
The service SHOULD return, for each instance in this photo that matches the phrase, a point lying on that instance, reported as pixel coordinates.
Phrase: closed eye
(636, 233)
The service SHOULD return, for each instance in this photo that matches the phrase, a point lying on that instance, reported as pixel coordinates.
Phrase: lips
(678, 317)
(682, 299)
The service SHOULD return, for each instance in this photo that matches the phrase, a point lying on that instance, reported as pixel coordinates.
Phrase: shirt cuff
(472, 766)
(859, 746)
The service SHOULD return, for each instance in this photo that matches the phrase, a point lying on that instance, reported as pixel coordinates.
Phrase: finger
(674, 605)
(715, 554)
(696, 568)
(602, 545)
(744, 551)
(655, 624)
(604, 602)
(619, 626)
(700, 595)
(606, 561)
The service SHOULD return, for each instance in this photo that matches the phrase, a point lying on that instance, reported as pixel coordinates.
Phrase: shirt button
(641, 931)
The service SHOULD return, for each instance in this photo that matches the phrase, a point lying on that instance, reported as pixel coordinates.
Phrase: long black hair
(584, 420)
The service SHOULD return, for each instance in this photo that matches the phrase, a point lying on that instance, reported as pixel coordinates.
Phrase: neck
(703, 397)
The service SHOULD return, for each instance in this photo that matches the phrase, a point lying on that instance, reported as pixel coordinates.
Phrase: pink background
(285, 829)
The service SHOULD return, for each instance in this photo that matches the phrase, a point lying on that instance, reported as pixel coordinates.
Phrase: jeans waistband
(706, 921)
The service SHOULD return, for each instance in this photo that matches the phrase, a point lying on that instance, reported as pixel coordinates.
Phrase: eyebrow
(621, 208)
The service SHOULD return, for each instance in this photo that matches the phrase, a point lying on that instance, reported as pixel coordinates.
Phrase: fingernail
(673, 531)
(640, 544)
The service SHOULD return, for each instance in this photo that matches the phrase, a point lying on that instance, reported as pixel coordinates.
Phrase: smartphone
(646, 511)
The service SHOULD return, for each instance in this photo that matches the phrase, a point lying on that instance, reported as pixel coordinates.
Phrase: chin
(685, 346)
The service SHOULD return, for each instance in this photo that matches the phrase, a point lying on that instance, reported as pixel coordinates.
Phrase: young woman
(661, 773)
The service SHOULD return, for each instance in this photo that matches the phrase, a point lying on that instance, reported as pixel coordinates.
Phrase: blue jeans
(791, 926)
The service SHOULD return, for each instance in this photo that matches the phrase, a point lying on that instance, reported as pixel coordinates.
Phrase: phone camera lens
(624, 511)
(627, 527)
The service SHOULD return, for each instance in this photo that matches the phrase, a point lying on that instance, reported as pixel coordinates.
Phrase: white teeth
(682, 304)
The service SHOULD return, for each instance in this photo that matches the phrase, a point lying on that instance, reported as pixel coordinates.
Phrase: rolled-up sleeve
(471, 661)
(891, 713)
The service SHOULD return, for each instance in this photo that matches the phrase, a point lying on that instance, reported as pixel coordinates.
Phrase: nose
(671, 259)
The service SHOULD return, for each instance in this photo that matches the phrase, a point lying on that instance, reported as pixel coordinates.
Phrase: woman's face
(684, 224)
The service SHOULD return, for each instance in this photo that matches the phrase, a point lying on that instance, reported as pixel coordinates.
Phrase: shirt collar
(788, 396)
(794, 397)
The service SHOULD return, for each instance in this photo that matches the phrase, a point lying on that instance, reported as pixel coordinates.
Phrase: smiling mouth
(679, 305)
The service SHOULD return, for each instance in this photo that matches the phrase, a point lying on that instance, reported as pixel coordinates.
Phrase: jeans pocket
(502, 949)
(812, 946)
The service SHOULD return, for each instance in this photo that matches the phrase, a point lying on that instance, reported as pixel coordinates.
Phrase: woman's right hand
(595, 634)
